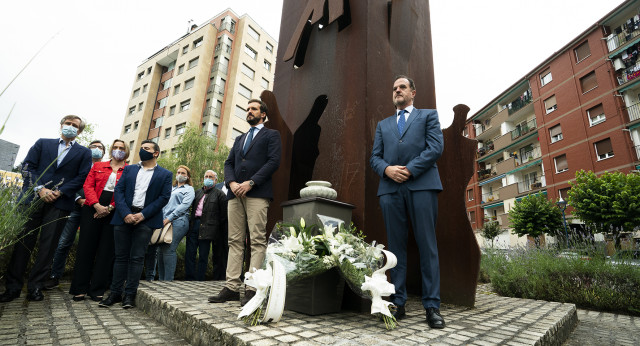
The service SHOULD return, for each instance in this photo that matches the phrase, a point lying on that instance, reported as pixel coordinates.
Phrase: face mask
(145, 155)
(118, 154)
(208, 182)
(69, 131)
(181, 178)
(96, 153)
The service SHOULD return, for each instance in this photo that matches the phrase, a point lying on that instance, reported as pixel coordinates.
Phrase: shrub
(535, 215)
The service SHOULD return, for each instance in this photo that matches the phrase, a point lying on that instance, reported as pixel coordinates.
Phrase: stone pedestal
(309, 207)
(321, 294)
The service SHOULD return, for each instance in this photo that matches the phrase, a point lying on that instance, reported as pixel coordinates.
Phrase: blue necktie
(401, 121)
(248, 141)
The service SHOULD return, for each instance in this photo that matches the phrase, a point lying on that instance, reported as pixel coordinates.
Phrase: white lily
(292, 244)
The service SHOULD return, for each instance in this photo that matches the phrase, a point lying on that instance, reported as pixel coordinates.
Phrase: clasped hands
(101, 211)
(399, 174)
(240, 190)
(49, 196)
(134, 219)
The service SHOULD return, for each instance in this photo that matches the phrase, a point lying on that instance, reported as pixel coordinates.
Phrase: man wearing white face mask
(53, 171)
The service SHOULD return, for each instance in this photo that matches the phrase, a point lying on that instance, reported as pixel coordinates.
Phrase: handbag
(162, 235)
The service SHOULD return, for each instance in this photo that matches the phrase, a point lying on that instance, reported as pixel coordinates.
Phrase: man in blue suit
(254, 158)
(404, 154)
(54, 170)
(141, 193)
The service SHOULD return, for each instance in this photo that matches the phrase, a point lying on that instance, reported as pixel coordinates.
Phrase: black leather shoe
(225, 295)
(50, 284)
(248, 294)
(399, 313)
(434, 319)
(35, 295)
(78, 298)
(9, 295)
(110, 300)
(129, 301)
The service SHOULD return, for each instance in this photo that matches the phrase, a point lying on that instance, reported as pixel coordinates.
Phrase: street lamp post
(562, 204)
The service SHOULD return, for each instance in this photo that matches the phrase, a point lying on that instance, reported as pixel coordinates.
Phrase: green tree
(609, 203)
(535, 215)
(197, 151)
(87, 135)
(490, 230)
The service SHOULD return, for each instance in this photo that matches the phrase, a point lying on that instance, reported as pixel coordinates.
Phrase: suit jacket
(259, 164)
(157, 196)
(418, 148)
(213, 222)
(40, 167)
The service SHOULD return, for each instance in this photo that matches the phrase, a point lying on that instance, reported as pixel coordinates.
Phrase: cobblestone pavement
(60, 321)
(602, 328)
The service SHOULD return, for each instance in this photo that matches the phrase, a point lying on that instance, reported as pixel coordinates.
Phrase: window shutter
(583, 51)
(588, 82)
(604, 147)
(561, 163)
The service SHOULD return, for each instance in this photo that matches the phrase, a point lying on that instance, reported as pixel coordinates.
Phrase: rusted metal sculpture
(336, 65)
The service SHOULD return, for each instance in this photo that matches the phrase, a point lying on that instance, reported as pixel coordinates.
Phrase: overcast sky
(480, 49)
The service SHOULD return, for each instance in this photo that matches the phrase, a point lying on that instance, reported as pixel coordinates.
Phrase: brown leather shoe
(225, 295)
(248, 294)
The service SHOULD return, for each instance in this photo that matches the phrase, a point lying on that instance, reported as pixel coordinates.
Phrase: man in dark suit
(254, 158)
(141, 193)
(404, 154)
(54, 170)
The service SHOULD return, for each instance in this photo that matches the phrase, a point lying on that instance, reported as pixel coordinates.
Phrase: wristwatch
(110, 208)
(251, 183)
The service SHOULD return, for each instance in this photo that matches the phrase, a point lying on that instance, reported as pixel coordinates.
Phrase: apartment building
(204, 78)
(577, 110)
(8, 155)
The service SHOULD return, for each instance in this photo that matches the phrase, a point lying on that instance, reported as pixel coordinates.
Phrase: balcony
(154, 133)
(527, 185)
(486, 173)
(506, 166)
(509, 191)
(614, 41)
(486, 149)
(529, 156)
(637, 147)
(490, 197)
(158, 113)
(634, 112)
(520, 102)
(214, 88)
(502, 141)
(212, 111)
(503, 219)
(165, 76)
(522, 130)
(629, 74)
(220, 67)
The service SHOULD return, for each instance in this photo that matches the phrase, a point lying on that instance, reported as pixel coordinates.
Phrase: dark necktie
(248, 141)
(401, 121)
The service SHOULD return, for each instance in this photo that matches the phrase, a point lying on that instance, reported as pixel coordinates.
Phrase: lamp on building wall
(562, 204)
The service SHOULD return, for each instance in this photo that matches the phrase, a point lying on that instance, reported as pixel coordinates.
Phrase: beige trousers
(243, 212)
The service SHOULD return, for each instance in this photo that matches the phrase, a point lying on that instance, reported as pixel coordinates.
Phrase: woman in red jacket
(95, 252)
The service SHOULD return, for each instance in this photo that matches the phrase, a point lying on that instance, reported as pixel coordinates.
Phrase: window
(172, 110)
(159, 122)
(588, 82)
(144, 88)
(180, 128)
(583, 51)
(172, 66)
(561, 163)
(149, 70)
(218, 109)
(166, 83)
(180, 69)
(140, 106)
(188, 84)
(193, 62)
(197, 43)
(250, 52)
(247, 71)
(555, 133)
(253, 33)
(185, 49)
(132, 110)
(550, 104)
(214, 131)
(163, 153)
(136, 93)
(244, 91)
(269, 47)
(135, 125)
(127, 128)
(184, 105)
(235, 133)
(264, 83)
(472, 216)
(131, 145)
(545, 77)
(162, 103)
(604, 150)
(596, 115)
(267, 65)
(241, 112)
(470, 195)
(140, 75)
(564, 193)
(176, 89)
(167, 133)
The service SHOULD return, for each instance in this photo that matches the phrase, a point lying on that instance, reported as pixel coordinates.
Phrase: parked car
(629, 257)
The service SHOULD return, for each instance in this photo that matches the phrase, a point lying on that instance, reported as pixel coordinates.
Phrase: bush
(587, 281)
(535, 215)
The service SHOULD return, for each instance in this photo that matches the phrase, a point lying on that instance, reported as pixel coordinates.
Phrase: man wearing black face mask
(140, 194)
(254, 158)
(53, 171)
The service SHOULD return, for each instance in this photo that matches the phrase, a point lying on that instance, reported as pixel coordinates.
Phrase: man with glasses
(53, 171)
(141, 193)
(71, 227)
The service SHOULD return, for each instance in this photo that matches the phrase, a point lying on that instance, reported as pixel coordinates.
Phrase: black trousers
(94, 255)
(47, 221)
